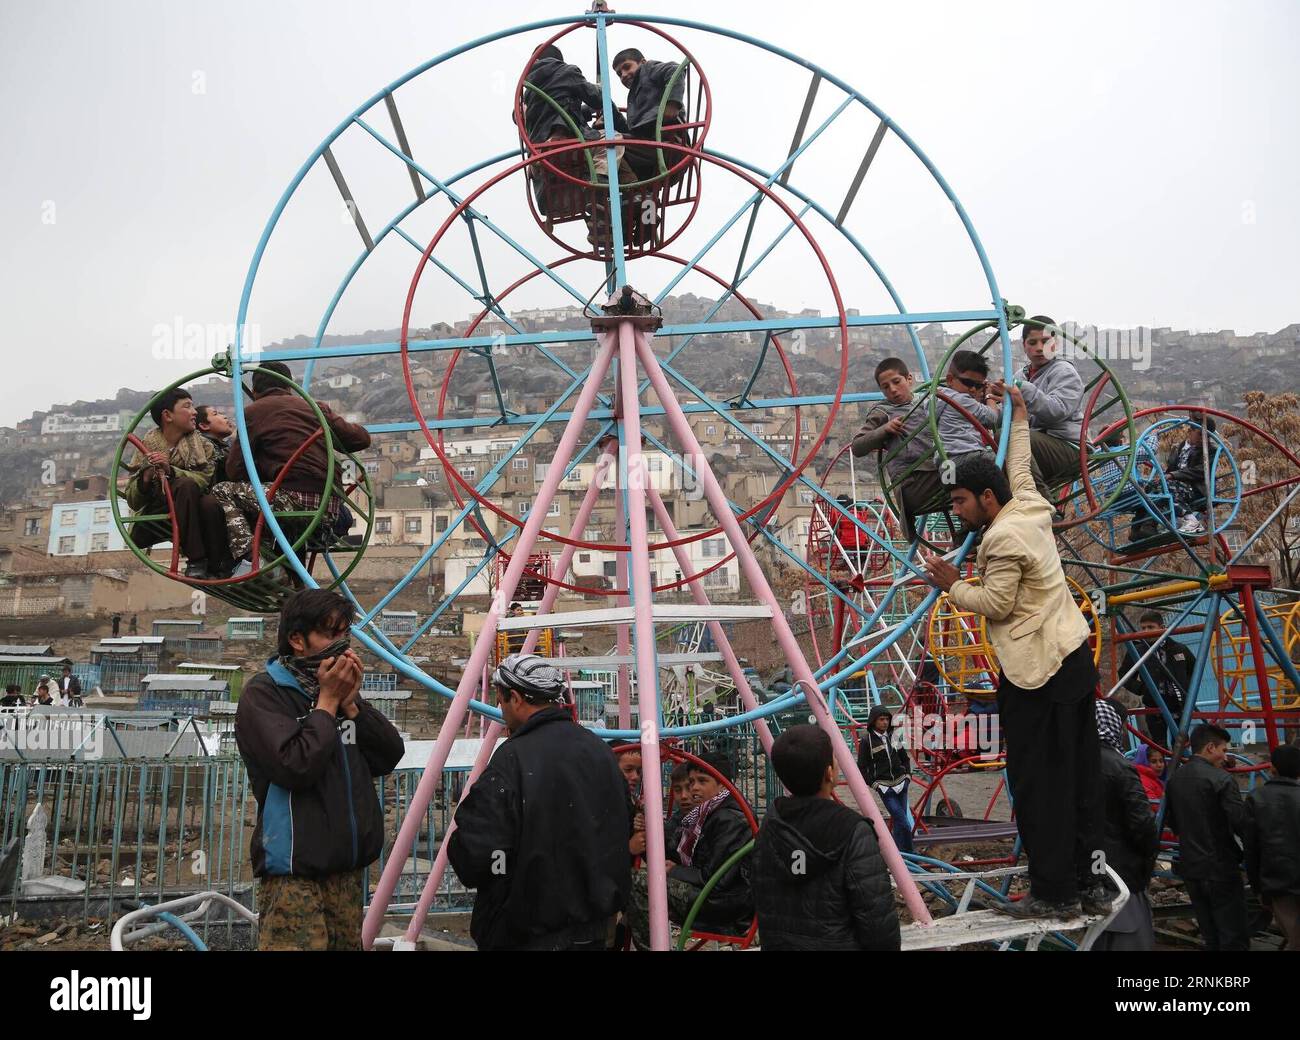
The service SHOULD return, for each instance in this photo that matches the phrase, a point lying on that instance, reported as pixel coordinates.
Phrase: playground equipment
(315, 534)
(761, 222)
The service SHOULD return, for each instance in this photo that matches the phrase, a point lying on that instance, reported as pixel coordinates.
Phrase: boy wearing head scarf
(1130, 836)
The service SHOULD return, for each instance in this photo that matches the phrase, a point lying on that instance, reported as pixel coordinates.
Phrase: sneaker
(242, 569)
(1031, 908)
(1191, 525)
(1097, 899)
(197, 571)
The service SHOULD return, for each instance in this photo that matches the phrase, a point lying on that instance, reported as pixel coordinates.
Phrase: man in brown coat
(279, 422)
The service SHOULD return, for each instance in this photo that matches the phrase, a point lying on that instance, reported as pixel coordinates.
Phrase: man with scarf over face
(313, 746)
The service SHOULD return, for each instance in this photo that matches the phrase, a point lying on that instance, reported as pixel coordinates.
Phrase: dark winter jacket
(313, 778)
(566, 85)
(1192, 468)
(220, 449)
(1170, 668)
(878, 759)
(1131, 837)
(1204, 808)
(542, 835)
(819, 881)
(1272, 837)
(646, 93)
(278, 424)
(725, 831)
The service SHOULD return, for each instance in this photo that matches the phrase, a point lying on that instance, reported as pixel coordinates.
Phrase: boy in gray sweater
(964, 389)
(899, 426)
(1053, 392)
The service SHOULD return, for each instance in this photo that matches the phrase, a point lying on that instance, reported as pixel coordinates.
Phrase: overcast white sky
(1124, 164)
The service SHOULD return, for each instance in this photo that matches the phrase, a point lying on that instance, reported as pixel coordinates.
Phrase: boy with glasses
(964, 388)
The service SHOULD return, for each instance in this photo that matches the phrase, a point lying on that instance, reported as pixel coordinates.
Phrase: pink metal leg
(565, 561)
(482, 646)
(495, 731)
(700, 597)
(781, 628)
(623, 641)
(647, 668)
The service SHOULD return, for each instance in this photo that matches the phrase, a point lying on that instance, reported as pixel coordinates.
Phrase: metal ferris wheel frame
(446, 187)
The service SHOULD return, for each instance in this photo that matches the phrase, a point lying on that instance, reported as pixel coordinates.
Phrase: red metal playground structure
(574, 224)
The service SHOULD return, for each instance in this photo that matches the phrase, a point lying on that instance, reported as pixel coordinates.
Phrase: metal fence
(167, 810)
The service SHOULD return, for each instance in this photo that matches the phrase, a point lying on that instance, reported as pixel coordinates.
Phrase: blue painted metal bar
(611, 158)
(762, 528)
(475, 421)
(731, 291)
(471, 212)
(365, 254)
(786, 324)
(482, 487)
(728, 224)
(785, 463)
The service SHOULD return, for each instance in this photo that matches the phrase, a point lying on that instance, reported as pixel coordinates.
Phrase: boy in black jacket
(1272, 836)
(312, 747)
(1205, 810)
(1170, 668)
(819, 881)
(885, 766)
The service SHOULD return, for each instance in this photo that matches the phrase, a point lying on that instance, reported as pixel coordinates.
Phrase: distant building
(58, 423)
(80, 528)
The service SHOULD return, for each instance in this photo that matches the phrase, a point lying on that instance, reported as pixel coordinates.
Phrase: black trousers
(200, 518)
(644, 160)
(1220, 908)
(1054, 776)
(1156, 727)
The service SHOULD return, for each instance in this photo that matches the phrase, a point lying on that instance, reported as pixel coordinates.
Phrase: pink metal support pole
(701, 598)
(566, 555)
(781, 628)
(647, 667)
(623, 642)
(469, 680)
(495, 731)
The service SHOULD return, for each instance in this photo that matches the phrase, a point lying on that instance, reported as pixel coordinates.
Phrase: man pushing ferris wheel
(1047, 679)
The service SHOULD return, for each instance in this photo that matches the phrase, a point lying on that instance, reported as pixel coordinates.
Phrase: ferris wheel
(614, 255)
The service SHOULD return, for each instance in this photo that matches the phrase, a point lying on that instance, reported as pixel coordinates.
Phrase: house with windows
(81, 528)
(403, 526)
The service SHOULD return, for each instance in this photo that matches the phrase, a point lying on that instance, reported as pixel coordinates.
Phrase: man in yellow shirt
(1048, 679)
